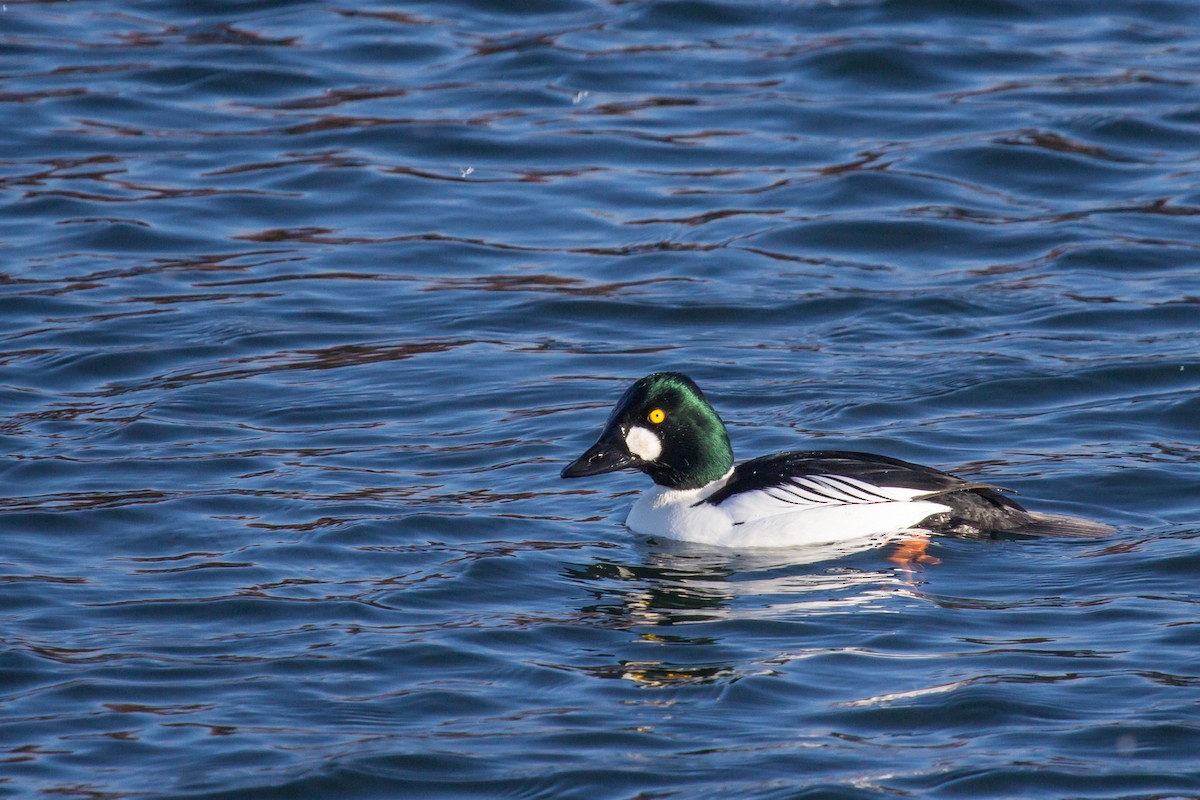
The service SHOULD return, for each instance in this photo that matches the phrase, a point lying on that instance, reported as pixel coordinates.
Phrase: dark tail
(1062, 526)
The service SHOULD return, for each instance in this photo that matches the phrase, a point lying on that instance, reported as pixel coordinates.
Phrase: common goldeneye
(664, 427)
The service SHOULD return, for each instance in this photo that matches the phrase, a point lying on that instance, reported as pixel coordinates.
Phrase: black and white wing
(814, 479)
(867, 485)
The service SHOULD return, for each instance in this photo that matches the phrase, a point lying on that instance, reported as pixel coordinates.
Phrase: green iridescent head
(664, 427)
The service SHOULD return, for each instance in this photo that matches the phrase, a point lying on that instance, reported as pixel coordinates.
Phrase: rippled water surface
(304, 306)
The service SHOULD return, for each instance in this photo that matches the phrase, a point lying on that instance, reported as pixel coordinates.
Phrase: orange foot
(912, 551)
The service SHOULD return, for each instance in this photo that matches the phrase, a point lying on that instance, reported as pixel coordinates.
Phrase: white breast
(673, 513)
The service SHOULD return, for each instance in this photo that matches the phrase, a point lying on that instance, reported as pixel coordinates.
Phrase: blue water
(304, 306)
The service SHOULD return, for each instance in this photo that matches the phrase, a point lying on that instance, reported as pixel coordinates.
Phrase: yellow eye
(657, 416)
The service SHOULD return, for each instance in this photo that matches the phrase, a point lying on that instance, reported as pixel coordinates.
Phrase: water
(303, 307)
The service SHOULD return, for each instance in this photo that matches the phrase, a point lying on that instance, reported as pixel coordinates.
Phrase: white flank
(844, 509)
(643, 443)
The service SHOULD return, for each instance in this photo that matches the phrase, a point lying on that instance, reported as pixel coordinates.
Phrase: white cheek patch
(643, 443)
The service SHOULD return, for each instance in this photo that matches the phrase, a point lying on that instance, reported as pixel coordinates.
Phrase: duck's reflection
(700, 592)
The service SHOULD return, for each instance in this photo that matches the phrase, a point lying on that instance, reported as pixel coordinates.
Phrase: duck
(665, 427)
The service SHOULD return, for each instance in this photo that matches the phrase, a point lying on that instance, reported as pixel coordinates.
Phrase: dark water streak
(303, 308)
